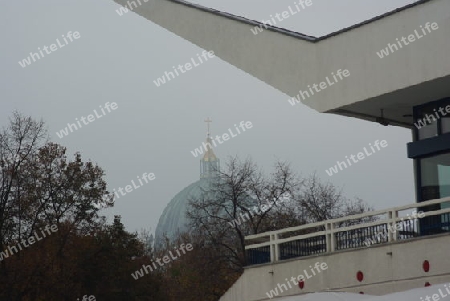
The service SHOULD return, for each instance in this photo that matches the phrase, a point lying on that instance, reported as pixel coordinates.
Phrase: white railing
(388, 218)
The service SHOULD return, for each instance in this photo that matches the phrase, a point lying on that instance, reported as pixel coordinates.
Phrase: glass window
(426, 123)
(435, 184)
(435, 175)
(428, 131)
(430, 117)
(445, 125)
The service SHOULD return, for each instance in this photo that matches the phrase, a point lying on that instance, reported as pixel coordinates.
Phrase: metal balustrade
(351, 232)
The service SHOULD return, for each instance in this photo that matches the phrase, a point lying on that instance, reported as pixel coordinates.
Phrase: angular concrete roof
(290, 61)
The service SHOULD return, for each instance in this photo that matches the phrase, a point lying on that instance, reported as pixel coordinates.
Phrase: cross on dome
(208, 120)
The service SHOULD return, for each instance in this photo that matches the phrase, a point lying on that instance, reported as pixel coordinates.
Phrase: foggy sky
(154, 128)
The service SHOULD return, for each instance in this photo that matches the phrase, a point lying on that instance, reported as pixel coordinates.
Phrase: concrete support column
(392, 230)
(274, 248)
(330, 237)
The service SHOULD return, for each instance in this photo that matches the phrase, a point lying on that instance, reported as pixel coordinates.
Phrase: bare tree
(145, 236)
(241, 200)
(18, 142)
(323, 201)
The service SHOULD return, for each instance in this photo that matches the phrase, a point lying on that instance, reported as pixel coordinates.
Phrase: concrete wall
(289, 63)
(387, 268)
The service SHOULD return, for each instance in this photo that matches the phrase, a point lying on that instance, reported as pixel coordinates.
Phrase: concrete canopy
(290, 61)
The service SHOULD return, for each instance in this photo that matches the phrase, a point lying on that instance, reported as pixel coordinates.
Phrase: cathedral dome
(173, 220)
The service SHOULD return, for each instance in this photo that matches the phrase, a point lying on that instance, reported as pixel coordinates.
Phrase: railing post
(333, 237)
(330, 239)
(274, 248)
(392, 226)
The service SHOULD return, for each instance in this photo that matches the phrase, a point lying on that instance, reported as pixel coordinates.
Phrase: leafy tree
(40, 186)
(196, 275)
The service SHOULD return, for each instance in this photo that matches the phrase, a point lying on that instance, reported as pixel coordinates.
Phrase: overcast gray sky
(154, 129)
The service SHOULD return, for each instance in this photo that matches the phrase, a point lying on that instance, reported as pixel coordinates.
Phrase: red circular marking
(360, 276)
(426, 266)
(301, 284)
(427, 284)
